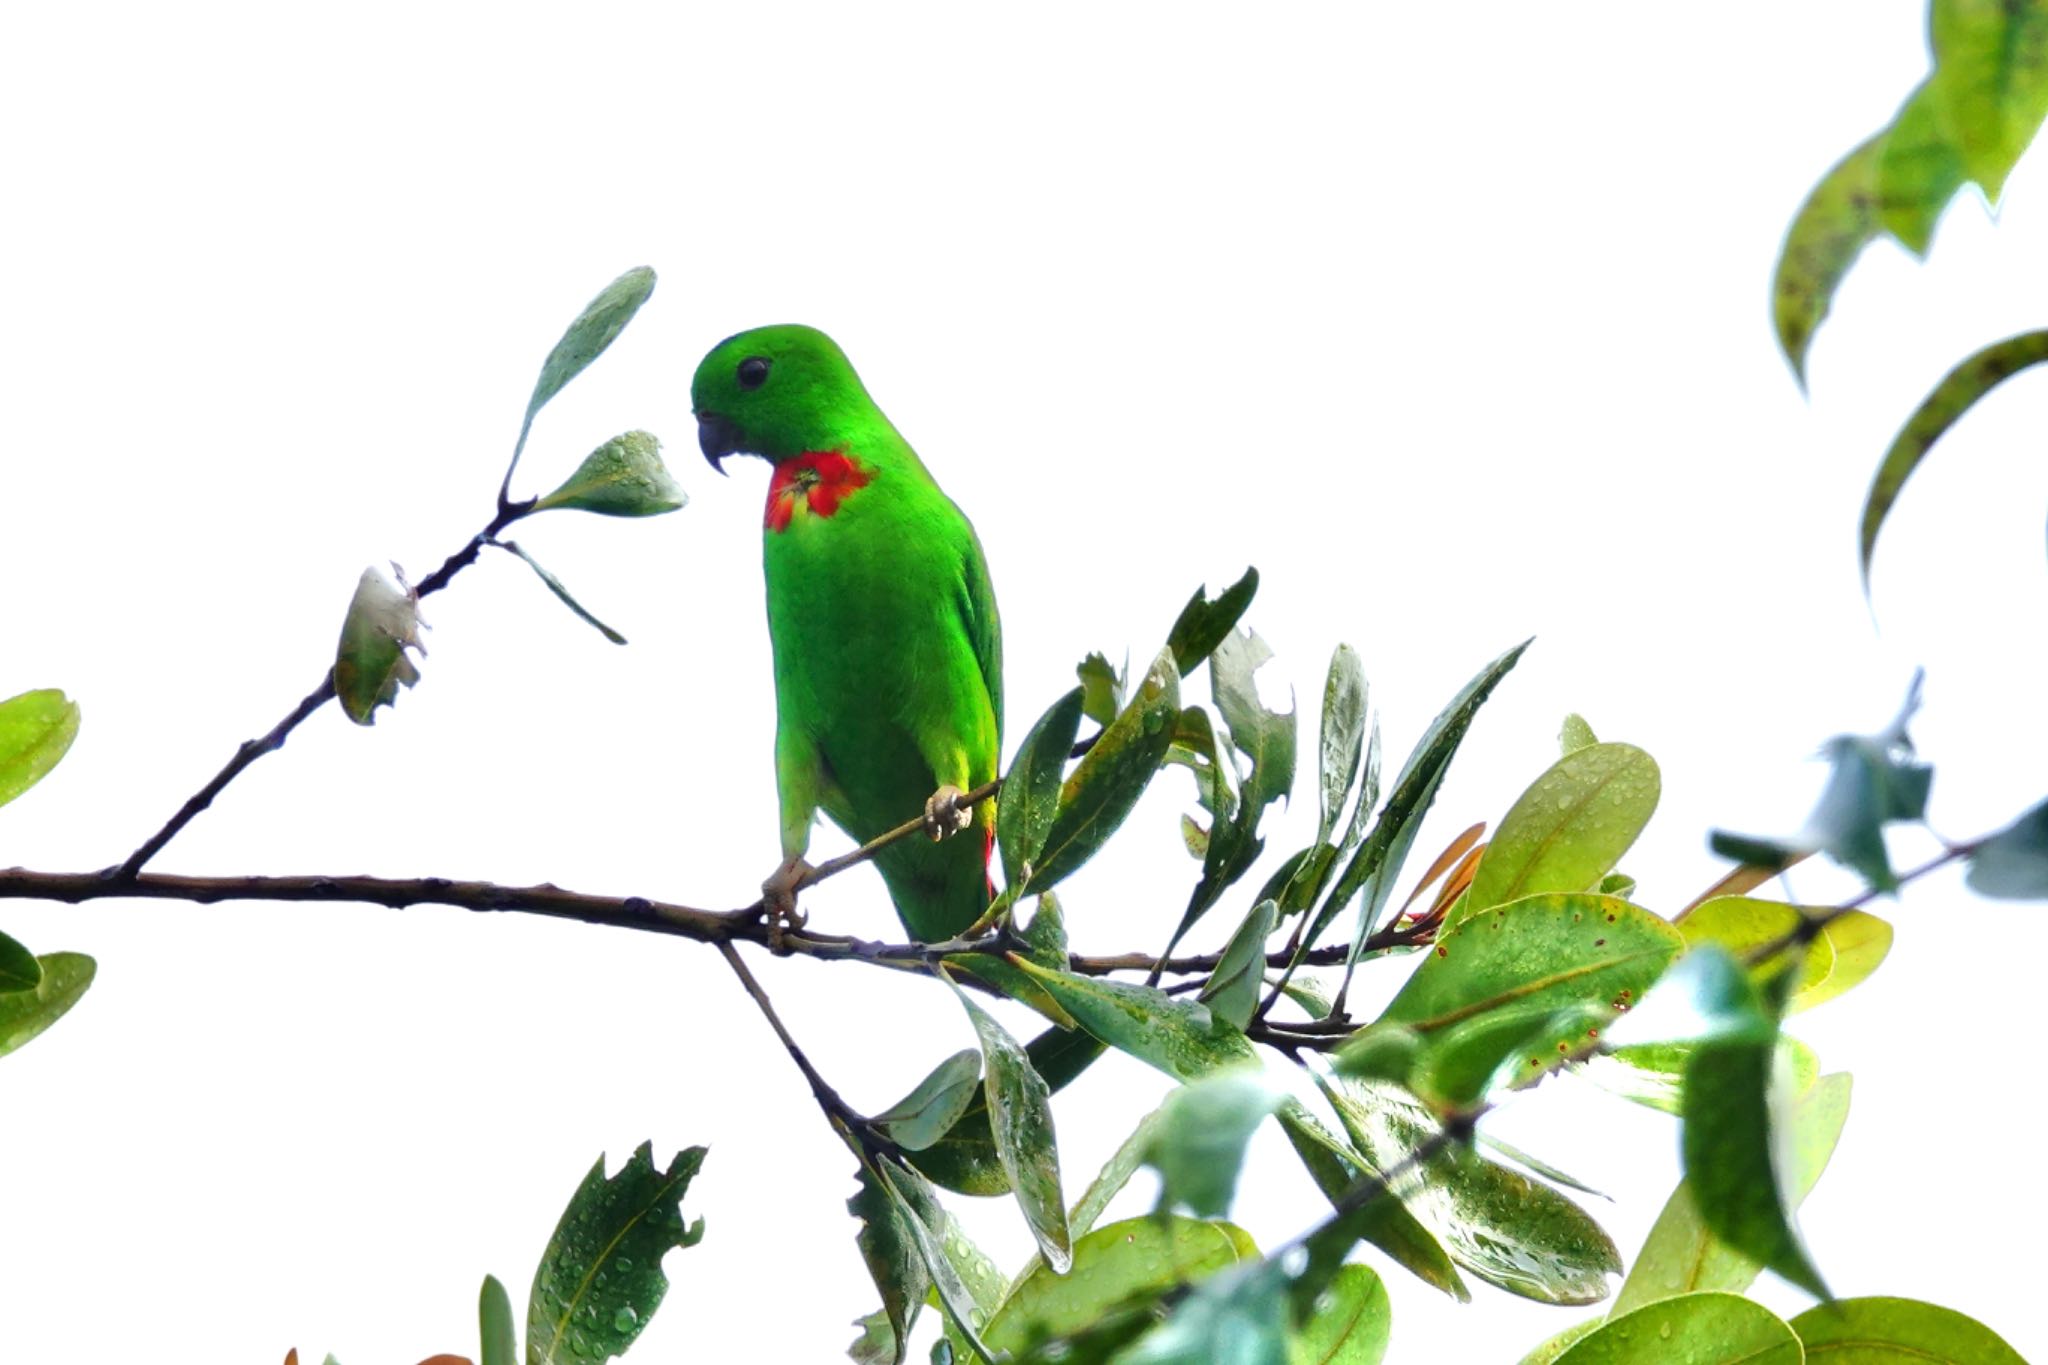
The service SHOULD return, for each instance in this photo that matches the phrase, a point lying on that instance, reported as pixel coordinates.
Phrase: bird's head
(775, 392)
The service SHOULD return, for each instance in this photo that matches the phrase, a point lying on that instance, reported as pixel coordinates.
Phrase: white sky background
(1454, 322)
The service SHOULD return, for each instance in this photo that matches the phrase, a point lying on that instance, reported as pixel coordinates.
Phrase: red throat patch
(818, 481)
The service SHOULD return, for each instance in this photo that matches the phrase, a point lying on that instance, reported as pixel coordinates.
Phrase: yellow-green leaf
(1570, 827)
(36, 730)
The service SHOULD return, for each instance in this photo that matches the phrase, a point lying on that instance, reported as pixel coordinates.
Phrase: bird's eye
(753, 372)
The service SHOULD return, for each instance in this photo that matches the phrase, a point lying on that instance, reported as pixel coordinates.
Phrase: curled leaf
(371, 662)
(624, 477)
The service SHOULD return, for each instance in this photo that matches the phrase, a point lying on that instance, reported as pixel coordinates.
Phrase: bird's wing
(984, 628)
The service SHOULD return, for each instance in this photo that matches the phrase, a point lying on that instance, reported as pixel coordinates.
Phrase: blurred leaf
(24, 1014)
(1536, 1165)
(1615, 884)
(19, 970)
(1342, 748)
(36, 730)
(1372, 871)
(1045, 937)
(965, 1159)
(1570, 827)
(1953, 397)
(923, 1116)
(2013, 863)
(1203, 625)
(624, 477)
(1020, 1114)
(1739, 1153)
(1350, 1324)
(1237, 1317)
(1385, 1221)
(1699, 1329)
(1116, 1173)
(1990, 82)
(1838, 219)
(1653, 1074)
(1879, 1331)
(1102, 689)
(889, 1247)
(1198, 1145)
(930, 1227)
(1108, 782)
(1111, 1265)
(1553, 1347)
(555, 587)
(1575, 734)
(594, 329)
(1680, 1256)
(1031, 791)
(1466, 847)
(1848, 949)
(494, 1321)
(1183, 1038)
(600, 1279)
(371, 662)
(1312, 995)
(1918, 171)
(1232, 991)
(1010, 981)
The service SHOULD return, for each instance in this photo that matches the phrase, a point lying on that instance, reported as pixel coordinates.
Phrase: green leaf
(1919, 171)
(1653, 1074)
(1878, 1331)
(36, 730)
(1198, 1145)
(1183, 1038)
(1681, 1256)
(1740, 1161)
(1507, 1229)
(1575, 734)
(1384, 1221)
(1848, 949)
(929, 1227)
(24, 1014)
(1553, 1347)
(1045, 937)
(19, 970)
(1372, 872)
(1108, 782)
(624, 477)
(965, 1159)
(555, 587)
(1031, 791)
(1341, 752)
(1238, 1317)
(1570, 827)
(1102, 689)
(1203, 625)
(600, 1279)
(594, 329)
(927, 1113)
(1350, 1325)
(1838, 219)
(371, 662)
(1232, 991)
(1020, 1115)
(1698, 1329)
(494, 1321)
(1953, 397)
(1138, 1256)
(888, 1246)
(1990, 82)
(2013, 863)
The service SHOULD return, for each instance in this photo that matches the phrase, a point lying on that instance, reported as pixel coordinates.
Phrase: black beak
(717, 437)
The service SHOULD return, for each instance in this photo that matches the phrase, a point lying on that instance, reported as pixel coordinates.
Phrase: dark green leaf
(1045, 938)
(1828, 233)
(1198, 1146)
(1102, 689)
(889, 1247)
(1031, 791)
(1570, 827)
(494, 1321)
(19, 970)
(555, 586)
(1350, 1324)
(1881, 1331)
(2013, 863)
(1698, 1329)
(965, 1159)
(1342, 747)
(1010, 981)
(370, 662)
(1108, 782)
(594, 329)
(930, 1227)
(1202, 624)
(600, 1279)
(1020, 1116)
(1919, 171)
(923, 1116)
(1384, 1221)
(1232, 991)
(36, 730)
(1183, 1038)
(1990, 82)
(1954, 396)
(1238, 1317)
(624, 477)
(24, 1014)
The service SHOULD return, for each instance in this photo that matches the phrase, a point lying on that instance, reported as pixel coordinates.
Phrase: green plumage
(888, 651)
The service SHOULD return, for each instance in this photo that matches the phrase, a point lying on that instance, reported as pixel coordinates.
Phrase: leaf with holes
(371, 662)
(1203, 624)
(1990, 82)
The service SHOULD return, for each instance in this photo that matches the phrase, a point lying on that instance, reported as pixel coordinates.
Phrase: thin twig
(836, 1109)
(832, 867)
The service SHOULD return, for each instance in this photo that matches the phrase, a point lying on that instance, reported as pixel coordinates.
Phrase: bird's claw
(943, 813)
(778, 901)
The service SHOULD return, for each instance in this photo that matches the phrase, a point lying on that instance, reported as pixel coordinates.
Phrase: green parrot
(888, 652)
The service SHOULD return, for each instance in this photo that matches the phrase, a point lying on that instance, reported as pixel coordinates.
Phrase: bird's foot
(943, 813)
(778, 901)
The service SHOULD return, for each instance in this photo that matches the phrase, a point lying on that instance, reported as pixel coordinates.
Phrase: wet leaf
(1350, 1324)
(594, 329)
(1919, 171)
(1138, 1256)
(1951, 399)
(965, 1159)
(1232, 991)
(1045, 937)
(1575, 734)
(1203, 624)
(624, 477)
(930, 1229)
(19, 970)
(927, 1113)
(1848, 949)
(1990, 82)
(554, 586)
(1342, 748)
(371, 662)
(36, 730)
(1553, 1347)
(1020, 1115)
(1198, 1144)
(889, 1248)
(1385, 1221)
(1878, 1331)
(2013, 863)
(600, 1279)
(64, 977)
(1238, 1316)
(1570, 827)
(1828, 233)
(1699, 1329)
(494, 1322)
(1108, 782)
(1181, 1037)
(1031, 791)
(1102, 689)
